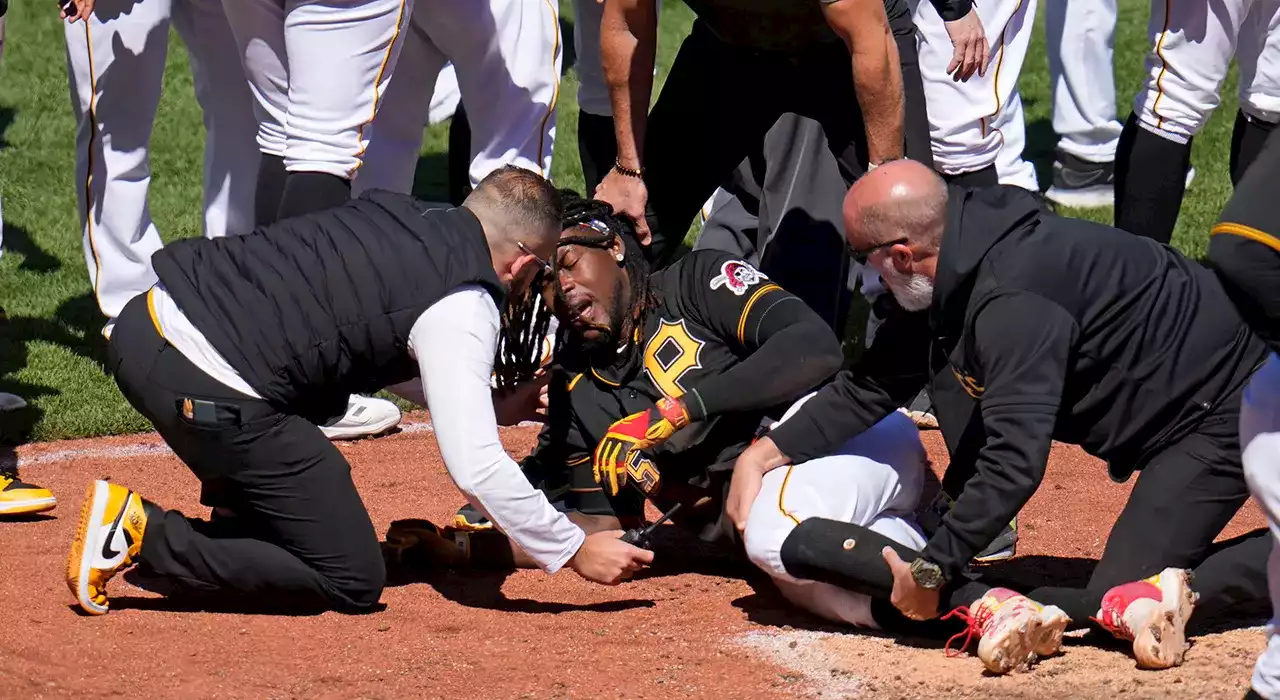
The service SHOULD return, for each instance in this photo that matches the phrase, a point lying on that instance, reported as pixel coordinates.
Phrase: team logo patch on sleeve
(737, 276)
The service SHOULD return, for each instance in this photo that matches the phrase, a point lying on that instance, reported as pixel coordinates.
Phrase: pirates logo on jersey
(737, 276)
(670, 354)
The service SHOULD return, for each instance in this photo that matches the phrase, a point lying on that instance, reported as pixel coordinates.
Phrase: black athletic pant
(691, 151)
(301, 531)
(1182, 500)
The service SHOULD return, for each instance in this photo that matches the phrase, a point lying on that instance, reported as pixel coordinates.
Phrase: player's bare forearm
(877, 78)
(877, 75)
(628, 46)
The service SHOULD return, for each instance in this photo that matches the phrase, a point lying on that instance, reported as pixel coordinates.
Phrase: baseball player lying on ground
(1058, 329)
(663, 380)
(248, 338)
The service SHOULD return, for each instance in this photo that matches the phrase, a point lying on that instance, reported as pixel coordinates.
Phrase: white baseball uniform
(978, 123)
(115, 66)
(1260, 444)
(318, 70)
(507, 57)
(874, 480)
(1079, 41)
(1192, 46)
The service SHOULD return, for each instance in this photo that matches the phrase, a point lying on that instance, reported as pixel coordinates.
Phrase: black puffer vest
(315, 308)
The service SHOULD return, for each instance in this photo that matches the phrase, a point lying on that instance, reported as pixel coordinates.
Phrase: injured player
(661, 381)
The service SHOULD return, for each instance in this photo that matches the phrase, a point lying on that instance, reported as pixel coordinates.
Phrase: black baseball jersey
(713, 311)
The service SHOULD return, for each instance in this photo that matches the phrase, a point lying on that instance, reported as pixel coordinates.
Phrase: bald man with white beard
(1057, 329)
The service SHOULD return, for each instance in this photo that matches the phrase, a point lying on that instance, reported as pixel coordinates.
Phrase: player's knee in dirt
(362, 582)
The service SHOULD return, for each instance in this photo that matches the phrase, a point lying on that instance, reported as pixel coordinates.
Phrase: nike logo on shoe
(108, 553)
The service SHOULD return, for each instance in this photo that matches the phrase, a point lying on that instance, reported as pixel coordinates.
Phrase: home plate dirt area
(698, 624)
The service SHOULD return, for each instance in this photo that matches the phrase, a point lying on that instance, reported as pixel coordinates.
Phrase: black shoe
(1080, 183)
(1252, 695)
(1003, 547)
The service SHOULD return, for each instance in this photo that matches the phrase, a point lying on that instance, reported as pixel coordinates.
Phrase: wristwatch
(927, 574)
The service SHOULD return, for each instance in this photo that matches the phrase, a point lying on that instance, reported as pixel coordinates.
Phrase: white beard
(913, 292)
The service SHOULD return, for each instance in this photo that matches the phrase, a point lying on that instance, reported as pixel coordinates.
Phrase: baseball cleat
(1053, 624)
(108, 540)
(1003, 547)
(365, 417)
(19, 498)
(1153, 614)
(1012, 630)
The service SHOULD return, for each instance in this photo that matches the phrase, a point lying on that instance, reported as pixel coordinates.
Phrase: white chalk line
(154, 450)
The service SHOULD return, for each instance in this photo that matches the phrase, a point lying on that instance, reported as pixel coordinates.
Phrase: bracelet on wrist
(629, 172)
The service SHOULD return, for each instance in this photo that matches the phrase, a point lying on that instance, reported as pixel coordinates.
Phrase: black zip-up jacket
(1060, 329)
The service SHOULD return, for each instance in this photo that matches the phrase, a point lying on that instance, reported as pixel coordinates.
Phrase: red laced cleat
(1013, 630)
(1153, 614)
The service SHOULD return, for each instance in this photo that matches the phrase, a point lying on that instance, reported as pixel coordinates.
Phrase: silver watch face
(927, 574)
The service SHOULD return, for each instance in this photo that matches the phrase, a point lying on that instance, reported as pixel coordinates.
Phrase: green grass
(51, 352)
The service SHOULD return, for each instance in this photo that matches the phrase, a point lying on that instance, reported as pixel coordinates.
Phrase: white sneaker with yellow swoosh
(108, 539)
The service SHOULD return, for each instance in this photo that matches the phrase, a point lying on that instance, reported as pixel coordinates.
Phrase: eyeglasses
(860, 256)
(546, 264)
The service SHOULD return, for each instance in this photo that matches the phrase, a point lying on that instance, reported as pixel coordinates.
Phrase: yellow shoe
(18, 498)
(112, 522)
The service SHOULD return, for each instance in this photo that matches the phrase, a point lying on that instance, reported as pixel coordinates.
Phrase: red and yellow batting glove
(618, 451)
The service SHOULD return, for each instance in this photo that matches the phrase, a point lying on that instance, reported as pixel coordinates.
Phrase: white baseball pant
(1260, 441)
(1080, 38)
(969, 122)
(507, 57)
(115, 66)
(318, 70)
(1192, 46)
(874, 480)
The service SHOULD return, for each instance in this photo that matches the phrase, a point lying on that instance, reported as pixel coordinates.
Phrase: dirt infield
(718, 632)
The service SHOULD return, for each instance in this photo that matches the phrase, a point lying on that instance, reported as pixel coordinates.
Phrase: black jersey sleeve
(889, 374)
(786, 349)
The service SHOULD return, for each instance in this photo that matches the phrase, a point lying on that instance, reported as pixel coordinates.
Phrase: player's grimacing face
(589, 281)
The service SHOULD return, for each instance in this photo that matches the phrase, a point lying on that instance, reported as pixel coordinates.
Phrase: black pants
(690, 152)
(300, 530)
(1182, 500)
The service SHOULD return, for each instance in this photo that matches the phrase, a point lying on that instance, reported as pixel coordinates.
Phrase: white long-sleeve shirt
(454, 342)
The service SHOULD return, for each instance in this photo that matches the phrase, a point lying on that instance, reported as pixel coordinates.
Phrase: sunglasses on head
(860, 256)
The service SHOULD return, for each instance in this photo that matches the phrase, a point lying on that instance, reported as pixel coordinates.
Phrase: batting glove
(618, 452)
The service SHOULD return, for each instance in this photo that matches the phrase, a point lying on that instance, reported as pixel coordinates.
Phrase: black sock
(459, 156)
(985, 177)
(266, 203)
(597, 147)
(1149, 194)
(1246, 141)
(306, 192)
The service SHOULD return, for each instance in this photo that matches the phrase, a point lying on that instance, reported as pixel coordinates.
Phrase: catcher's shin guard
(842, 554)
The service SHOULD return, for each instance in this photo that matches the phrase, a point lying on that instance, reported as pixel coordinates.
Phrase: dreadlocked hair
(525, 321)
(597, 226)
